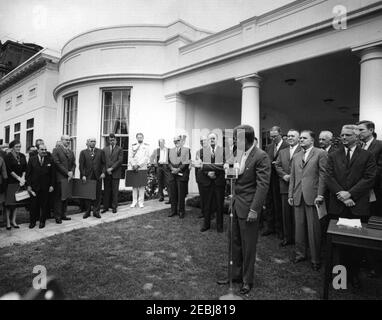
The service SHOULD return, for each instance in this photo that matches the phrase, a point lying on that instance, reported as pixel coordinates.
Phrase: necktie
(213, 155)
(303, 157)
(41, 161)
(178, 152)
(347, 157)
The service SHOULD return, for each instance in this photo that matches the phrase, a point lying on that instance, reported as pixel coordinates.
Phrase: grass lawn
(156, 257)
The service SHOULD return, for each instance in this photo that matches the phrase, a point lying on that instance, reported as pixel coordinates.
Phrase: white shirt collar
(328, 148)
(367, 144)
(308, 151)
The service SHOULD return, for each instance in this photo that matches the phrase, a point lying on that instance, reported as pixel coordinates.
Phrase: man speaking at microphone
(249, 195)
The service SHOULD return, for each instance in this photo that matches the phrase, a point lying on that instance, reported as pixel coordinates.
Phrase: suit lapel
(249, 158)
(355, 155)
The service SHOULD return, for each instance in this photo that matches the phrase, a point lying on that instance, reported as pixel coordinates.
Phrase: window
(7, 133)
(30, 127)
(8, 104)
(17, 131)
(116, 108)
(70, 119)
(19, 98)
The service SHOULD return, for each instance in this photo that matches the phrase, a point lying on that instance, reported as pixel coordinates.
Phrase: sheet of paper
(352, 223)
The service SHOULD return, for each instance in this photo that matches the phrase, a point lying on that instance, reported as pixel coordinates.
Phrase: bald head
(325, 139)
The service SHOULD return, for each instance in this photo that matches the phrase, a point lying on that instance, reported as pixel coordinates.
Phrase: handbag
(21, 195)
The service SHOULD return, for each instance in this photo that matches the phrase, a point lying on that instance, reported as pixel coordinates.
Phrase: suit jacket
(332, 149)
(181, 161)
(271, 147)
(40, 177)
(251, 188)
(92, 164)
(308, 180)
(113, 160)
(2, 154)
(376, 149)
(270, 151)
(3, 173)
(205, 155)
(283, 167)
(64, 161)
(13, 165)
(358, 179)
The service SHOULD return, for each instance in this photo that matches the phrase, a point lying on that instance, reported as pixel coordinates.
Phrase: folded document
(353, 223)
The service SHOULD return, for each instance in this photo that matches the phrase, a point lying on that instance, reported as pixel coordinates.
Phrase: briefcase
(21, 195)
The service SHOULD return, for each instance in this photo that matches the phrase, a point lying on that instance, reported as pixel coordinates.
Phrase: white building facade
(310, 64)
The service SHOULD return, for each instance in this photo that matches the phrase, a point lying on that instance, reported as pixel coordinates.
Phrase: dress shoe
(41, 225)
(32, 225)
(316, 266)
(246, 288)
(8, 228)
(284, 243)
(141, 205)
(97, 215)
(133, 205)
(167, 202)
(104, 210)
(181, 215)
(172, 214)
(66, 218)
(203, 229)
(114, 210)
(298, 259)
(222, 282)
(86, 215)
(15, 226)
(58, 220)
(161, 199)
(267, 232)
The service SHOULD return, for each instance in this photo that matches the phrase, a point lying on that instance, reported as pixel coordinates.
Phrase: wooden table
(353, 237)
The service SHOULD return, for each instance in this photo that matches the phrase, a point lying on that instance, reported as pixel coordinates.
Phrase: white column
(177, 108)
(250, 102)
(370, 104)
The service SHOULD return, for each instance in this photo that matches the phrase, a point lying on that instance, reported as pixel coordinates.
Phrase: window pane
(29, 141)
(17, 136)
(30, 123)
(17, 126)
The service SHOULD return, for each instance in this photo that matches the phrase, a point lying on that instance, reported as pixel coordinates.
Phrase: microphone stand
(232, 175)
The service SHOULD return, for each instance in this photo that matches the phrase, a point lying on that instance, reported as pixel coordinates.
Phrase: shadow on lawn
(155, 257)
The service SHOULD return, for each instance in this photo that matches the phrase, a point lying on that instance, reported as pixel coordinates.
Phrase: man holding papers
(306, 190)
(350, 176)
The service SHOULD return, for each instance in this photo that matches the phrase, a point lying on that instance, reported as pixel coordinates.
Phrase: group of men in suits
(45, 173)
(343, 181)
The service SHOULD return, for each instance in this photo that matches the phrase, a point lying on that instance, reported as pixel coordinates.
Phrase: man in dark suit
(283, 168)
(350, 177)
(113, 161)
(160, 160)
(306, 190)
(40, 181)
(325, 141)
(179, 161)
(366, 131)
(65, 165)
(272, 214)
(211, 180)
(92, 167)
(250, 192)
(203, 144)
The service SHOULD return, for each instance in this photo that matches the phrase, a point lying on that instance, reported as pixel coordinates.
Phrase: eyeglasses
(43, 149)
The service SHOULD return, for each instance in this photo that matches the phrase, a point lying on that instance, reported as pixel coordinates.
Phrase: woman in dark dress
(16, 168)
